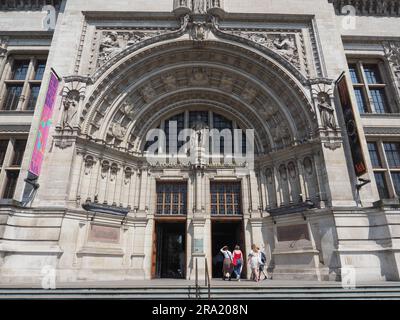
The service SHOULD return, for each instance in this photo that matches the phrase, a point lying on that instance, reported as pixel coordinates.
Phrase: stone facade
(127, 67)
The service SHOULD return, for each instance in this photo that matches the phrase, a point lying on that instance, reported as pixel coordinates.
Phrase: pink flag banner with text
(45, 123)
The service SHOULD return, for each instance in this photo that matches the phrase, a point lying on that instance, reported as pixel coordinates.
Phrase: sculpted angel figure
(285, 45)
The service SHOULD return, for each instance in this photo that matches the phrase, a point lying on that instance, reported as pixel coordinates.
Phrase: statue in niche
(199, 6)
(198, 141)
(70, 104)
(326, 111)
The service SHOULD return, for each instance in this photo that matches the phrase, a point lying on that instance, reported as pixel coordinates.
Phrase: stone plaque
(98, 233)
(198, 245)
(293, 233)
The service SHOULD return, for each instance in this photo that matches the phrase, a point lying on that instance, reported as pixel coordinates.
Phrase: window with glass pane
(13, 96)
(195, 116)
(20, 69)
(19, 149)
(374, 155)
(33, 96)
(221, 123)
(381, 185)
(392, 150)
(354, 74)
(372, 73)
(225, 198)
(180, 124)
(171, 198)
(362, 107)
(379, 100)
(396, 182)
(39, 69)
(3, 150)
(11, 183)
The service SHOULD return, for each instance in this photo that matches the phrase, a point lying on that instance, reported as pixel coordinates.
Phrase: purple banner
(45, 123)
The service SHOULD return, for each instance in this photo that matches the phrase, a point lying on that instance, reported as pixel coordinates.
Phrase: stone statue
(326, 111)
(109, 46)
(70, 104)
(118, 131)
(285, 46)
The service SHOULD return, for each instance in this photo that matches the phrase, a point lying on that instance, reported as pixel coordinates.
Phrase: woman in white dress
(253, 260)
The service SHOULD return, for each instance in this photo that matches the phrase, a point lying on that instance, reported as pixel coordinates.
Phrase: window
(396, 182)
(202, 119)
(171, 198)
(385, 159)
(369, 87)
(374, 155)
(3, 150)
(226, 198)
(392, 151)
(11, 155)
(23, 77)
(381, 185)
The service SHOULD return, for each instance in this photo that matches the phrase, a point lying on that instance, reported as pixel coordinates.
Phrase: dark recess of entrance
(226, 233)
(170, 250)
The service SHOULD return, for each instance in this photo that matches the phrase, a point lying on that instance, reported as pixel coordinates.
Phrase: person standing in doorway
(253, 260)
(227, 264)
(237, 262)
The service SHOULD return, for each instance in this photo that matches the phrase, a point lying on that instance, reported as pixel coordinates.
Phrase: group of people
(233, 261)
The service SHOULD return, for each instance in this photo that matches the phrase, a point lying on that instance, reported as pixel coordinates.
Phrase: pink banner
(45, 123)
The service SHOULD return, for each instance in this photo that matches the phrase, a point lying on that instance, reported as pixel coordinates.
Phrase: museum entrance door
(226, 232)
(169, 251)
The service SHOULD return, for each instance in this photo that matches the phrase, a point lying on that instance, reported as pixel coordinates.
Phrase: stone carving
(109, 47)
(113, 42)
(199, 6)
(170, 83)
(308, 166)
(326, 111)
(199, 31)
(148, 93)
(292, 170)
(226, 83)
(89, 162)
(118, 131)
(128, 110)
(249, 94)
(70, 104)
(392, 53)
(283, 44)
(3, 47)
(199, 78)
(105, 167)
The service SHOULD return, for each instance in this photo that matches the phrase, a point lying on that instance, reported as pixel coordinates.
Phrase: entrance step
(242, 291)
